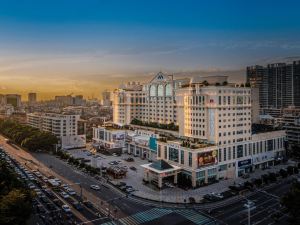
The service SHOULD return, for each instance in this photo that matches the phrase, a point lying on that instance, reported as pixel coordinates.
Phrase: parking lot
(55, 202)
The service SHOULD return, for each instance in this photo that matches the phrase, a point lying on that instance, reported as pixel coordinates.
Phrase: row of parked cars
(44, 203)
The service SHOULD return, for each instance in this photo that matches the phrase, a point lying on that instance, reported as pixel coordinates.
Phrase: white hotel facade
(64, 127)
(215, 139)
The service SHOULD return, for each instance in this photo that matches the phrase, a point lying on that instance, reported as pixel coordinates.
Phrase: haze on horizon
(83, 47)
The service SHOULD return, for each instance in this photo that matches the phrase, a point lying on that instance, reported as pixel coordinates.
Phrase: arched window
(168, 90)
(152, 90)
(160, 90)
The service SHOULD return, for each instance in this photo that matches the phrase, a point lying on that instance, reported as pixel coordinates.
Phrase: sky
(55, 47)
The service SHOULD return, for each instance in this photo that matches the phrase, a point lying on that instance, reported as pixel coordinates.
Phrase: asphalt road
(266, 203)
(125, 205)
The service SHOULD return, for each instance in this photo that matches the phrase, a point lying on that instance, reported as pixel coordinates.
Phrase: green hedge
(28, 137)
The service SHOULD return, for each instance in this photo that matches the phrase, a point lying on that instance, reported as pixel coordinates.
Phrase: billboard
(118, 137)
(207, 158)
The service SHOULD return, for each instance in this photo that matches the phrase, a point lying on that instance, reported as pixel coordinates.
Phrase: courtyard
(135, 175)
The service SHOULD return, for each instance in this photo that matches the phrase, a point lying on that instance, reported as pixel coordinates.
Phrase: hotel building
(216, 138)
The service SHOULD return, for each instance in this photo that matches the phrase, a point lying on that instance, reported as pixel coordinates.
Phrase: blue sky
(75, 41)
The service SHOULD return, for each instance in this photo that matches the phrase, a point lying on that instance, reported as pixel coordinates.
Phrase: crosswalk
(195, 217)
(108, 223)
(155, 213)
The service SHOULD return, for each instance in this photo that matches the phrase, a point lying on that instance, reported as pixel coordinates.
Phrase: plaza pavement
(174, 195)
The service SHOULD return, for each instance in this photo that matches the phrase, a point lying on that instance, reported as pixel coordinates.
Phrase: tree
(292, 202)
(205, 83)
(15, 207)
(15, 198)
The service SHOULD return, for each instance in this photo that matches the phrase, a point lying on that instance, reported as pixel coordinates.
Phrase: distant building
(13, 99)
(106, 98)
(64, 99)
(278, 84)
(68, 128)
(32, 98)
(69, 100)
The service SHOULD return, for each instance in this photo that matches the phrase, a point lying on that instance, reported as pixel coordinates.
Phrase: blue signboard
(246, 162)
(153, 144)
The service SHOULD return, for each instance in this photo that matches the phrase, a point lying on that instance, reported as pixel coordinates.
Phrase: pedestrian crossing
(195, 217)
(155, 213)
(108, 223)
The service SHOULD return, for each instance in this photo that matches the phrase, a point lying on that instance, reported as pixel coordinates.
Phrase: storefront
(160, 171)
(263, 160)
(244, 166)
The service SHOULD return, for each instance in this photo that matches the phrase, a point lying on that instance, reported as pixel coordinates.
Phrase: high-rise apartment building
(65, 127)
(278, 84)
(32, 97)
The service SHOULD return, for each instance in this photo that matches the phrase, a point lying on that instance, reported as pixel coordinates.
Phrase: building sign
(118, 137)
(267, 156)
(246, 162)
(207, 158)
(153, 144)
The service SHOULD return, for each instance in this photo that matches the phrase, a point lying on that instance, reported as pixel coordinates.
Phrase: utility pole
(249, 216)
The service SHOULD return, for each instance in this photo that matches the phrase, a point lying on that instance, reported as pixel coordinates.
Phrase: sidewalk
(177, 195)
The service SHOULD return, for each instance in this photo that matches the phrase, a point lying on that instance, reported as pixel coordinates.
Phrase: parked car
(77, 205)
(133, 168)
(66, 208)
(245, 175)
(64, 195)
(88, 204)
(70, 191)
(95, 187)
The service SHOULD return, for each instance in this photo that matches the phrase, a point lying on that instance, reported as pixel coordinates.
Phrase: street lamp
(249, 205)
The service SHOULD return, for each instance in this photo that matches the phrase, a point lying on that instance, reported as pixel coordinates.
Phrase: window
(224, 154)
(220, 155)
(152, 90)
(168, 90)
(182, 157)
(233, 152)
(166, 152)
(159, 151)
(239, 151)
(160, 90)
(229, 153)
(190, 159)
(270, 145)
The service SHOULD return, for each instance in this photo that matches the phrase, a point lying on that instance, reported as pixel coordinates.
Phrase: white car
(66, 208)
(71, 191)
(95, 187)
(64, 194)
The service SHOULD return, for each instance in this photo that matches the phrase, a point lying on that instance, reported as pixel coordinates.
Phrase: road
(266, 203)
(113, 203)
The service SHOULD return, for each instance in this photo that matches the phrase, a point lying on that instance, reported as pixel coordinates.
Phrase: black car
(88, 204)
(50, 206)
(77, 205)
(40, 209)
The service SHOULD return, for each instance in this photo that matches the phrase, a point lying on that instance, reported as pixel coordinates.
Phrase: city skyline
(56, 48)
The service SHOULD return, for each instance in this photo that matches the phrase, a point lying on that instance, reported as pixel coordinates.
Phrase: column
(193, 179)
(175, 177)
(159, 181)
